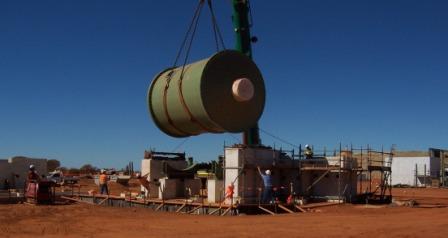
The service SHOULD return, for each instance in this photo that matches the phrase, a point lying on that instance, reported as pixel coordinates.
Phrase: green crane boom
(251, 136)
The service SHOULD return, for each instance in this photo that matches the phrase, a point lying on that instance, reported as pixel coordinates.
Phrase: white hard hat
(268, 172)
(102, 170)
(32, 166)
(307, 146)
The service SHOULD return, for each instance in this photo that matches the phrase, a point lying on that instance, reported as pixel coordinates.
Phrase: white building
(16, 169)
(415, 171)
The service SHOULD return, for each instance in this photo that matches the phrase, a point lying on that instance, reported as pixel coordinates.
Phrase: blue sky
(74, 75)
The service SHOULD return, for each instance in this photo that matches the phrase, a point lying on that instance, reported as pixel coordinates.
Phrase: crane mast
(251, 137)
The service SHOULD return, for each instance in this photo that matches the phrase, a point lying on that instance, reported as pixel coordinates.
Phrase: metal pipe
(339, 176)
(362, 171)
(425, 175)
(416, 174)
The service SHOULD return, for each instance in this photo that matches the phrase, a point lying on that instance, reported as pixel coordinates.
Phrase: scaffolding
(442, 156)
(379, 163)
(372, 169)
(345, 175)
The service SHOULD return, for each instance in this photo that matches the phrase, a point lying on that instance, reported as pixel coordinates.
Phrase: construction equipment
(59, 178)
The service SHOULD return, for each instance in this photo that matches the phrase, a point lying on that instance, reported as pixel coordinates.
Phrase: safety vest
(308, 152)
(103, 179)
(229, 191)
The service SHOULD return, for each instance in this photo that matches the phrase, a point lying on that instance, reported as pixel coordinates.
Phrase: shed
(415, 171)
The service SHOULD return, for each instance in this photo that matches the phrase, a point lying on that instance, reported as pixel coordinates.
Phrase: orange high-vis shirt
(229, 191)
(103, 179)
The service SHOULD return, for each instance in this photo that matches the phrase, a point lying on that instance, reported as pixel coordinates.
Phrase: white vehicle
(59, 178)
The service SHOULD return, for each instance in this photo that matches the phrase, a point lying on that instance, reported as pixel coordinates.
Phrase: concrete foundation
(153, 168)
(178, 188)
(170, 188)
(313, 178)
(330, 186)
(327, 178)
(241, 169)
(215, 190)
(193, 186)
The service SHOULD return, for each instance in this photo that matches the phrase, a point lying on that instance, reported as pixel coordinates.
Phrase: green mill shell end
(224, 93)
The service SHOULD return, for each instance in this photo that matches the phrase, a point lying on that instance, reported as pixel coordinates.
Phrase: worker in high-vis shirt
(229, 192)
(103, 182)
(32, 174)
(267, 189)
(308, 152)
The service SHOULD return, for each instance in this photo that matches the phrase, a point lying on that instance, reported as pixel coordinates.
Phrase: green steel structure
(224, 93)
(241, 8)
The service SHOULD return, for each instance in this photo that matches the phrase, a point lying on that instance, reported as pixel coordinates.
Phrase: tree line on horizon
(54, 164)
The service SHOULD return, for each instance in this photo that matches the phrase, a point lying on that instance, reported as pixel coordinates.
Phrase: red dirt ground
(342, 221)
(422, 195)
(82, 220)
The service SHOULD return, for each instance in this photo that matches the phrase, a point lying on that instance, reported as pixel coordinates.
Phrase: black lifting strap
(216, 31)
(190, 34)
(188, 42)
(191, 30)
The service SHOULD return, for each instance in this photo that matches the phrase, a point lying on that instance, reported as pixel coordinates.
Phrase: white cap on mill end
(243, 90)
